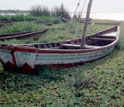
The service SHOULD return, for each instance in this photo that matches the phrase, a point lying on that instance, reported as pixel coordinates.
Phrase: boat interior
(91, 42)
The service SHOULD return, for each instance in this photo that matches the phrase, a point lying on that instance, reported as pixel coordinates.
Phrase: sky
(99, 6)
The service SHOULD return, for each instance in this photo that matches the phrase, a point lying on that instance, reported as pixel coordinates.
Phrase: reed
(39, 11)
(120, 44)
(27, 18)
(55, 12)
(60, 12)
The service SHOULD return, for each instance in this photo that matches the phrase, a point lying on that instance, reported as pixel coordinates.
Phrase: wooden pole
(82, 45)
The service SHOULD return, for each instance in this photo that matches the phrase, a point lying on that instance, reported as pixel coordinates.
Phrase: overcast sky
(109, 6)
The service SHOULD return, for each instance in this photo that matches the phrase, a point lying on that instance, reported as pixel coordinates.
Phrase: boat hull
(29, 60)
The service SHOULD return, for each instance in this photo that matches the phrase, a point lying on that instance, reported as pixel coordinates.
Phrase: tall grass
(27, 18)
(44, 11)
(120, 44)
(40, 11)
(61, 12)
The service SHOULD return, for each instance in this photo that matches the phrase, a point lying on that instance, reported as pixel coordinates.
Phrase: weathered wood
(86, 24)
(75, 46)
(24, 35)
(70, 46)
(105, 39)
(47, 22)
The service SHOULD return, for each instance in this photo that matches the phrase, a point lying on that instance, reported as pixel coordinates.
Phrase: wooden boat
(24, 35)
(28, 57)
(59, 54)
(2, 23)
(47, 22)
(7, 22)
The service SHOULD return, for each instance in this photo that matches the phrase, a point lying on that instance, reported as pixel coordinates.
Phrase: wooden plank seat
(106, 36)
(92, 46)
(104, 39)
(76, 46)
(70, 46)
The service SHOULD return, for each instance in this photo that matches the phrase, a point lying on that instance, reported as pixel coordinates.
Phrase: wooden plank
(68, 46)
(106, 39)
(76, 46)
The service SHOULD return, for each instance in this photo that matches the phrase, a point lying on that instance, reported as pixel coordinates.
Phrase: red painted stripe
(32, 50)
(6, 48)
(13, 58)
(25, 49)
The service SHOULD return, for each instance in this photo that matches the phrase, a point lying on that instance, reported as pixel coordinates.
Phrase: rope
(71, 21)
(80, 13)
(78, 4)
(76, 26)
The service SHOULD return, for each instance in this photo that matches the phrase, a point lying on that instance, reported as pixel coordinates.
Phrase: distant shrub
(60, 12)
(17, 18)
(56, 21)
(39, 11)
(44, 11)
(29, 18)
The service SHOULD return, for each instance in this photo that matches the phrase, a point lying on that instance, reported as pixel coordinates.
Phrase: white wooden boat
(59, 54)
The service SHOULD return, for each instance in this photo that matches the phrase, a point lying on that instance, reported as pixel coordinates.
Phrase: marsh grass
(60, 11)
(120, 44)
(26, 18)
(56, 88)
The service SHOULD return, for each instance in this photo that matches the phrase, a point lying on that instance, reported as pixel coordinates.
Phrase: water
(13, 14)
(108, 16)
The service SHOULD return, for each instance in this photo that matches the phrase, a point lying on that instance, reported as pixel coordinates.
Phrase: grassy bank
(102, 80)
